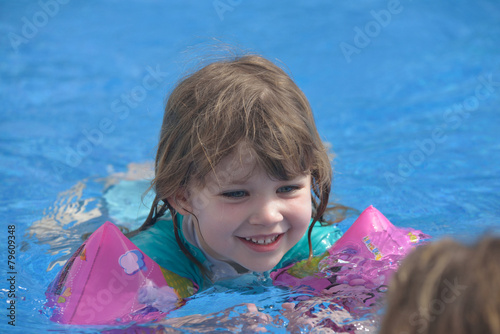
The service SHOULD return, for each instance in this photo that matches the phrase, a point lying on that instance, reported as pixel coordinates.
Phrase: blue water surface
(406, 92)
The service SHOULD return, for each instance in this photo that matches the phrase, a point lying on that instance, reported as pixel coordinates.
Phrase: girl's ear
(180, 202)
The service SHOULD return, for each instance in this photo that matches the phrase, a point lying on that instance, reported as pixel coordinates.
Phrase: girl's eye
(235, 194)
(287, 189)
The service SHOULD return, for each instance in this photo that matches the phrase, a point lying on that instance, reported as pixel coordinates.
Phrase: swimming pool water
(406, 92)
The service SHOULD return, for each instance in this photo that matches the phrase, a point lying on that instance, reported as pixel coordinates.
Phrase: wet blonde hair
(246, 101)
(446, 287)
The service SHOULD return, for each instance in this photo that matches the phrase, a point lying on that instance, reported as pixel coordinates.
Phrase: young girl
(241, 177)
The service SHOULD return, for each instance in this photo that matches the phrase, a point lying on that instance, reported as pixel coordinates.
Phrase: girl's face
(248, 218)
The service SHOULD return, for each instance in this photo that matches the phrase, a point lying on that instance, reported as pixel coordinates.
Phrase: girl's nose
(266, 214)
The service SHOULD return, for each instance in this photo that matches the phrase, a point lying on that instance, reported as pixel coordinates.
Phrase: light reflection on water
(74, 214)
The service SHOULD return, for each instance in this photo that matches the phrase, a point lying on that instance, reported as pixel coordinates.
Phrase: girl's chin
(261, 268)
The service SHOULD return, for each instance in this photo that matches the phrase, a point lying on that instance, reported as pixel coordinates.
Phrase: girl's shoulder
(160, 244)
(322, 238)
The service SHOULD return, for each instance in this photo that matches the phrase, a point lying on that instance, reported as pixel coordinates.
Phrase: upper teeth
(262, 241)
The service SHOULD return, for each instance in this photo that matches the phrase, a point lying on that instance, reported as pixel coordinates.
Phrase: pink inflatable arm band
(366, 255)
(108, 280)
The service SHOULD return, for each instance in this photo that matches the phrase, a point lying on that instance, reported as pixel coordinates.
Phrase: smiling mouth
(265, 241)
(260, 242)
